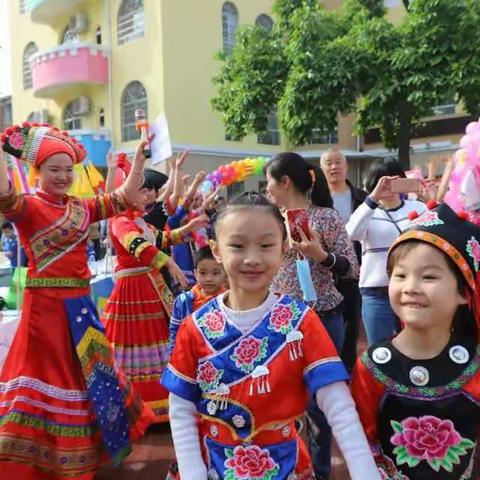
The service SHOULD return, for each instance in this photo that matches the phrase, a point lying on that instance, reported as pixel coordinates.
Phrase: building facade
(86, 65)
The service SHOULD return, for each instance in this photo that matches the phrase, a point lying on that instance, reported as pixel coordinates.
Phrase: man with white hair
(346, 198)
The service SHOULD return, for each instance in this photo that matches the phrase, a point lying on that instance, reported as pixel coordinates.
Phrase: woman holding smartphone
(292, 183)
(376, 223)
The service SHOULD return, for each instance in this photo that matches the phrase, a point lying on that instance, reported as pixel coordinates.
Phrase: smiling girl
(64, 406)
(418, 395)
(247, 362)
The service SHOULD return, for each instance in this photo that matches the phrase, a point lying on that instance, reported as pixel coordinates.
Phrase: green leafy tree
(316, 64)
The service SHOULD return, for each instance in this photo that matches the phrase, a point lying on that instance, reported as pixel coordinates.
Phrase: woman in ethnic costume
(64, 406)
(418, 395)
(245, 364)
(137, 315)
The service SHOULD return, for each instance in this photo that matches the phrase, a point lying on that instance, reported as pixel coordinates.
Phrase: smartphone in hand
(406, 185)
(297, 218)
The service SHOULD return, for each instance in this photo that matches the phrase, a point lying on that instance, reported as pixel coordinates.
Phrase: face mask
(306, 283)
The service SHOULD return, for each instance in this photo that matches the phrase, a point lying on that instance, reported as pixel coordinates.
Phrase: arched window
(229, 26)
(98, 35)
(31, 117)
(264, 21)
(130, 21)
(71, 120)
(30, 49)
(101, 118)
(134, 96)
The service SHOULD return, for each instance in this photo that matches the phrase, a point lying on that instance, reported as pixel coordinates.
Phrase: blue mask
(305, 278)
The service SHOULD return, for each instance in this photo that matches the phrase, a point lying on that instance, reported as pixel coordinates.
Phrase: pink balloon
(472, 128)
(465, 141)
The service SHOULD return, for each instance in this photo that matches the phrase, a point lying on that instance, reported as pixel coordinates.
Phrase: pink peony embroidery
(427, 219)
(213, 324)
(249, 463)
(249, 351)
(208, 377)
(428, 438)
(16, 140)
(473, 249)
(282, 317)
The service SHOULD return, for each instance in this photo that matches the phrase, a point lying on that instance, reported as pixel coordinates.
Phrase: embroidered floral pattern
(473, 249)
(427, 219)
(428, 438)
(213, 324)
(282, 316)
(249, 351)
(208, 377)
(249, 463)
(16, 140)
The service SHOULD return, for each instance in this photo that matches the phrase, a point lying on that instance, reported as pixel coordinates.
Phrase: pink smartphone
(406, 185)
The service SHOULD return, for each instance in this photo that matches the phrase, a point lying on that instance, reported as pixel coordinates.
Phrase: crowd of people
(238, 327)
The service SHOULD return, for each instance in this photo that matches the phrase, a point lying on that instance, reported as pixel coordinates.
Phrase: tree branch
(406, 4)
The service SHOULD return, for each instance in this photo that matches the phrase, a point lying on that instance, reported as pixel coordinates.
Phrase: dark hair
(380, 169)
(295, 167)
(463, 321)
(7, 225)
(205, 253)
(252, 200)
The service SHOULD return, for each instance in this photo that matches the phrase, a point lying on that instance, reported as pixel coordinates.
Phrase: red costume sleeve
(131, 237)
(180, 377)
(322, 363)
(367, 393)
(104, 206)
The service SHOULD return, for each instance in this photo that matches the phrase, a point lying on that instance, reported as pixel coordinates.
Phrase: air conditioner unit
(78, 22)
(81, 106)
(42, 116)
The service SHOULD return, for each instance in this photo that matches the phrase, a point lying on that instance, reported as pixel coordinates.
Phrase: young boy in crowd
(211, 282)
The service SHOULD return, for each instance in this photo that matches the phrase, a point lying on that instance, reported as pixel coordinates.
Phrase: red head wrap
(35, 143)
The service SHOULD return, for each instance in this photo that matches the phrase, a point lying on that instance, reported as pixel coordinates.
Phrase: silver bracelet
(333, 262)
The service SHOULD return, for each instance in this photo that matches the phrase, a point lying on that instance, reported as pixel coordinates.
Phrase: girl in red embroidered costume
(418, 395)
(64, 406)
(245, 363)
(137, 314)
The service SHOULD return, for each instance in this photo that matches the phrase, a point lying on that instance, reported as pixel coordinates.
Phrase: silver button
(78, 319)
(212, 407)
(84, 311)
(459, 354)
(214, 431)
(286, 430)
(419, 376)
(381, 355)
(238, 421)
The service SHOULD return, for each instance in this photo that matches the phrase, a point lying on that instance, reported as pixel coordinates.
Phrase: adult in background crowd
(376, 223)
(346, 198)
(293, 183)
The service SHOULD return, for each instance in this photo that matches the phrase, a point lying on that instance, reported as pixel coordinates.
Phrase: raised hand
(383, 188)
(310, 247)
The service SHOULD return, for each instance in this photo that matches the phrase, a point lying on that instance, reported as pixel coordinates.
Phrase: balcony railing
(68, 66)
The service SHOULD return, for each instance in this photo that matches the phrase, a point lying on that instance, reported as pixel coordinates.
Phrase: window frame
(27, 72)
(130, 21)
(128, 124)
(230, 22)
